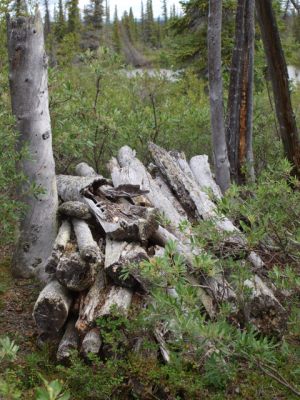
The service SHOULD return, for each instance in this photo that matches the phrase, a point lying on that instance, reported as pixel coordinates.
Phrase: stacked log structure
(109, 225)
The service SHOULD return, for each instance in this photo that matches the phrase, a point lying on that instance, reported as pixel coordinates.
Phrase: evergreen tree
(116, 32)
(149, 24)
(60, 22)
(142, 22)
(47, 26)
(73, 16)
(165, 11)
(98, 14)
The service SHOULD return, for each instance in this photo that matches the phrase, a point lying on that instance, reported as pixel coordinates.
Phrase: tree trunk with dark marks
(29, 96)
(239, 124)
(280, 82)
(222, 167)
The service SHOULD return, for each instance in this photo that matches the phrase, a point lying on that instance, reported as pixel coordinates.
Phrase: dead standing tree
(239, 123)
(222, 168)
(280, 82)
(29, 96)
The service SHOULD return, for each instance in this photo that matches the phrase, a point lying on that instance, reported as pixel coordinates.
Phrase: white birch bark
(29, 95)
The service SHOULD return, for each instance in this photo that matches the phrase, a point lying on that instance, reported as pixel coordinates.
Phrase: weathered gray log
(91, 343)
(263, 309)
(203, 176)
(192, 197)
(99, 301)
(75, 273)
(195, 202)
(68, 343)
(70, 187)
(52, 308)
(29, 95)
(165, 353)
(88, 248)
(122, 255)
(75, 209)
(132, 171)
(83, 169)
(61, 241)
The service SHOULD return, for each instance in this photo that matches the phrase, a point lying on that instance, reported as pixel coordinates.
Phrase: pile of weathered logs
(107, 225)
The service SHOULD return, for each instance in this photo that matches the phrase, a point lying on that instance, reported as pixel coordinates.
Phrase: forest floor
(17, 298)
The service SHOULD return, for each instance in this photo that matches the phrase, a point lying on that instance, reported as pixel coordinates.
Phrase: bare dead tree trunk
(280, 82)
(239, 124)
(216, 94)
(29, 96)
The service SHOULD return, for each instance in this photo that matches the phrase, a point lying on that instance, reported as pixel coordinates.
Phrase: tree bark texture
(280, 82)
(29, 96)
(222, 167)
(239, 123)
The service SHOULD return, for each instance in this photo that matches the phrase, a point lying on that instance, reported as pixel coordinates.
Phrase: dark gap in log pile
(111, 228)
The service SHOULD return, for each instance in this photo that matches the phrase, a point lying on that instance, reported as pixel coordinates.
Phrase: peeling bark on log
(203, 176)
(29, 94)
(76, 274)
(118, 256)
(91, 343)
(88, 248)
(69, 342)
(124, 221)
(75, 209)
(52, 308)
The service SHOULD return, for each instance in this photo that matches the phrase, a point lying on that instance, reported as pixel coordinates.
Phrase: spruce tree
(60, 22)
(165, 11)
(98, 14)
(73, 16)
(116, 32)
(47, 26)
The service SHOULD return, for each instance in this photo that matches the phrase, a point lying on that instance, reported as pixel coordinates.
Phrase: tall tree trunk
(216, 94)
(280, 82)
(29, 96)
(239, 124)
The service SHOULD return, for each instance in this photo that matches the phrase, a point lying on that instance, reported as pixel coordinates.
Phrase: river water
(173, 76)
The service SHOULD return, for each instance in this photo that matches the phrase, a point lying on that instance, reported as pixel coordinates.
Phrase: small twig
(278, 378)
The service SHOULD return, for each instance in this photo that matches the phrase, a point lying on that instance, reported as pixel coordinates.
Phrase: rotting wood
(118, 256)
(75, 273)
(52, 308)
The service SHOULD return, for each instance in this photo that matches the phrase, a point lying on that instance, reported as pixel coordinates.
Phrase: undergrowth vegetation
(211, 359)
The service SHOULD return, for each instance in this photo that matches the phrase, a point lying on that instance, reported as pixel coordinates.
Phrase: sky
(136, 6)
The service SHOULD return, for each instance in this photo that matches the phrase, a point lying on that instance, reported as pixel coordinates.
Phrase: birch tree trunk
(222, 168)
(239, 124)
(280, 82)
(29, 95)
